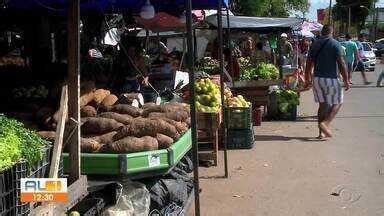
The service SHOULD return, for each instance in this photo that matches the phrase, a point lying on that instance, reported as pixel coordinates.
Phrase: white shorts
(327, 90)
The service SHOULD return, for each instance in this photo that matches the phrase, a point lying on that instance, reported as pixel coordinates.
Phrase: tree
(271, 8)
(359, 11)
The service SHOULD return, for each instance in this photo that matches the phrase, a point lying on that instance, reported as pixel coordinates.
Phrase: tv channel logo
(43, 190)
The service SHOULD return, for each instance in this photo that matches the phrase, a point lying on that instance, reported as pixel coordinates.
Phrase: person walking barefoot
(324, 54)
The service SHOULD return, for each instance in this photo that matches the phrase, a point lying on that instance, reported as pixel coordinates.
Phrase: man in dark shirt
(324, 54)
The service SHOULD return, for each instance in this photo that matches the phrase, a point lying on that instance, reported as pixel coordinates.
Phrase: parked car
(368, 56)
(379, 46)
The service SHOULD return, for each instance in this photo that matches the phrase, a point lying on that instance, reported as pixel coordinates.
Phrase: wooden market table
(255, 91)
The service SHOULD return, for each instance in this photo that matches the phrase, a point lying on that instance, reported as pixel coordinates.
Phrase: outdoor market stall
(74, 70)
(266, 74)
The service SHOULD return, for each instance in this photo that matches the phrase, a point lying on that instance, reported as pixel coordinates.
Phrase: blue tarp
(110, 6)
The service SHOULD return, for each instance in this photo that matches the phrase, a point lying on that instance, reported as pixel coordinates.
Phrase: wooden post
(59, 136)
(74, 87)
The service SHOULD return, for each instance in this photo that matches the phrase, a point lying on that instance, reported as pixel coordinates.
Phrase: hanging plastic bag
(133, 201)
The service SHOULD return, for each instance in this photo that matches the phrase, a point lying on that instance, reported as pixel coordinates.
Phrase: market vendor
(286, 50)
(232, 67)
(260, 55)
(132, 68)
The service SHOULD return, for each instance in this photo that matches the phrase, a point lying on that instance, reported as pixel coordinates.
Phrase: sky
(317, 4)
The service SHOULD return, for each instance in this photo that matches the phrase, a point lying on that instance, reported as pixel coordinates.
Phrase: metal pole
(376, 22)
(349, 19)
(330, 12)
(223, 103)
(280, 55)
(229, 44)
(74, 86)
(146, 40)
(190, 66)
(194, 45)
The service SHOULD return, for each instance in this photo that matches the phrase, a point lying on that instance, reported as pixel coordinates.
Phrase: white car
(368, 56)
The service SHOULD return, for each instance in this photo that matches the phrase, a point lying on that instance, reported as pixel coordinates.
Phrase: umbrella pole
(280, 61)
(194, 45)
(190, 66)
(221, 62)
(230, 48)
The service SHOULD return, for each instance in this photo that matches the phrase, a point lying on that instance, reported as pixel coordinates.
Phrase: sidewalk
(289, 173)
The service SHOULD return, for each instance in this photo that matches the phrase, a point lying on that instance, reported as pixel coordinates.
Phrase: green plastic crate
(133, 163)
(238, 117)
(240, 139)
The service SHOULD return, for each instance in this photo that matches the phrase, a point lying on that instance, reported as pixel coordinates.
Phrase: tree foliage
(360, 9)
(271, 8)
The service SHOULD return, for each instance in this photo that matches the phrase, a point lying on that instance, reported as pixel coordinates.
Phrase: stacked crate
(239, 127)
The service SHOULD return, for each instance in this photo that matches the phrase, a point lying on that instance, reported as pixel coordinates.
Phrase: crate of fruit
(238, 113)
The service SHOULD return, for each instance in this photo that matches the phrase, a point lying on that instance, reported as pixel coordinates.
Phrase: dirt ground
(289, 173)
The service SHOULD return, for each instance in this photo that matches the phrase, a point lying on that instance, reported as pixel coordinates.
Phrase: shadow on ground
(307, 119)
(285, 138)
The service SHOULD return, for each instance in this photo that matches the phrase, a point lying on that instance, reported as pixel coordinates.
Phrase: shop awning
(256, 23)
(110, 6)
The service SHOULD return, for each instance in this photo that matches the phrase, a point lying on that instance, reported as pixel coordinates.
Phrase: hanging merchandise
(147, 11)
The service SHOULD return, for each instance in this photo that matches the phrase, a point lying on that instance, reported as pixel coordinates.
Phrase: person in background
(132, 68)
(267, 49)
(249, 47)
(324, 54)
(286, 50)
(380, 79)
(304, 49)
(235, 70)
(260, 55)
(351, 55)
(360, 64)
(94, 52)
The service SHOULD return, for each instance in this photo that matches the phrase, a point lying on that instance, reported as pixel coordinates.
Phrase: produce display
(209, 65)
(267, 71)
(39, 91)
(17, 142)
(208, 98)
(12, 60)
(262, 71)
(122, 128)
(238, 101)
(286, 99)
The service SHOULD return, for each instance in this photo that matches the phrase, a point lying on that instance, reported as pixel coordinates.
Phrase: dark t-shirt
(325, 63)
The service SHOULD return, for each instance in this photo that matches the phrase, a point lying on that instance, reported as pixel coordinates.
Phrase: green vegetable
(267, 71)
(18, 143)
(9, 149)
(286, 99)
(264, 71)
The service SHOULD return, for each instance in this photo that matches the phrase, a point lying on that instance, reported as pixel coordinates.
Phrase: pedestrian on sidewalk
(380, 79)
(324, 54)
(351, 55)
(360, 64)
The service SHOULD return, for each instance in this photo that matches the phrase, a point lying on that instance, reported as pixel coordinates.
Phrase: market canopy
(60, 6)
(255, 23)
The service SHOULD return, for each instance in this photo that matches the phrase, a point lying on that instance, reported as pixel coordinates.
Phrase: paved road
(288, 173)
